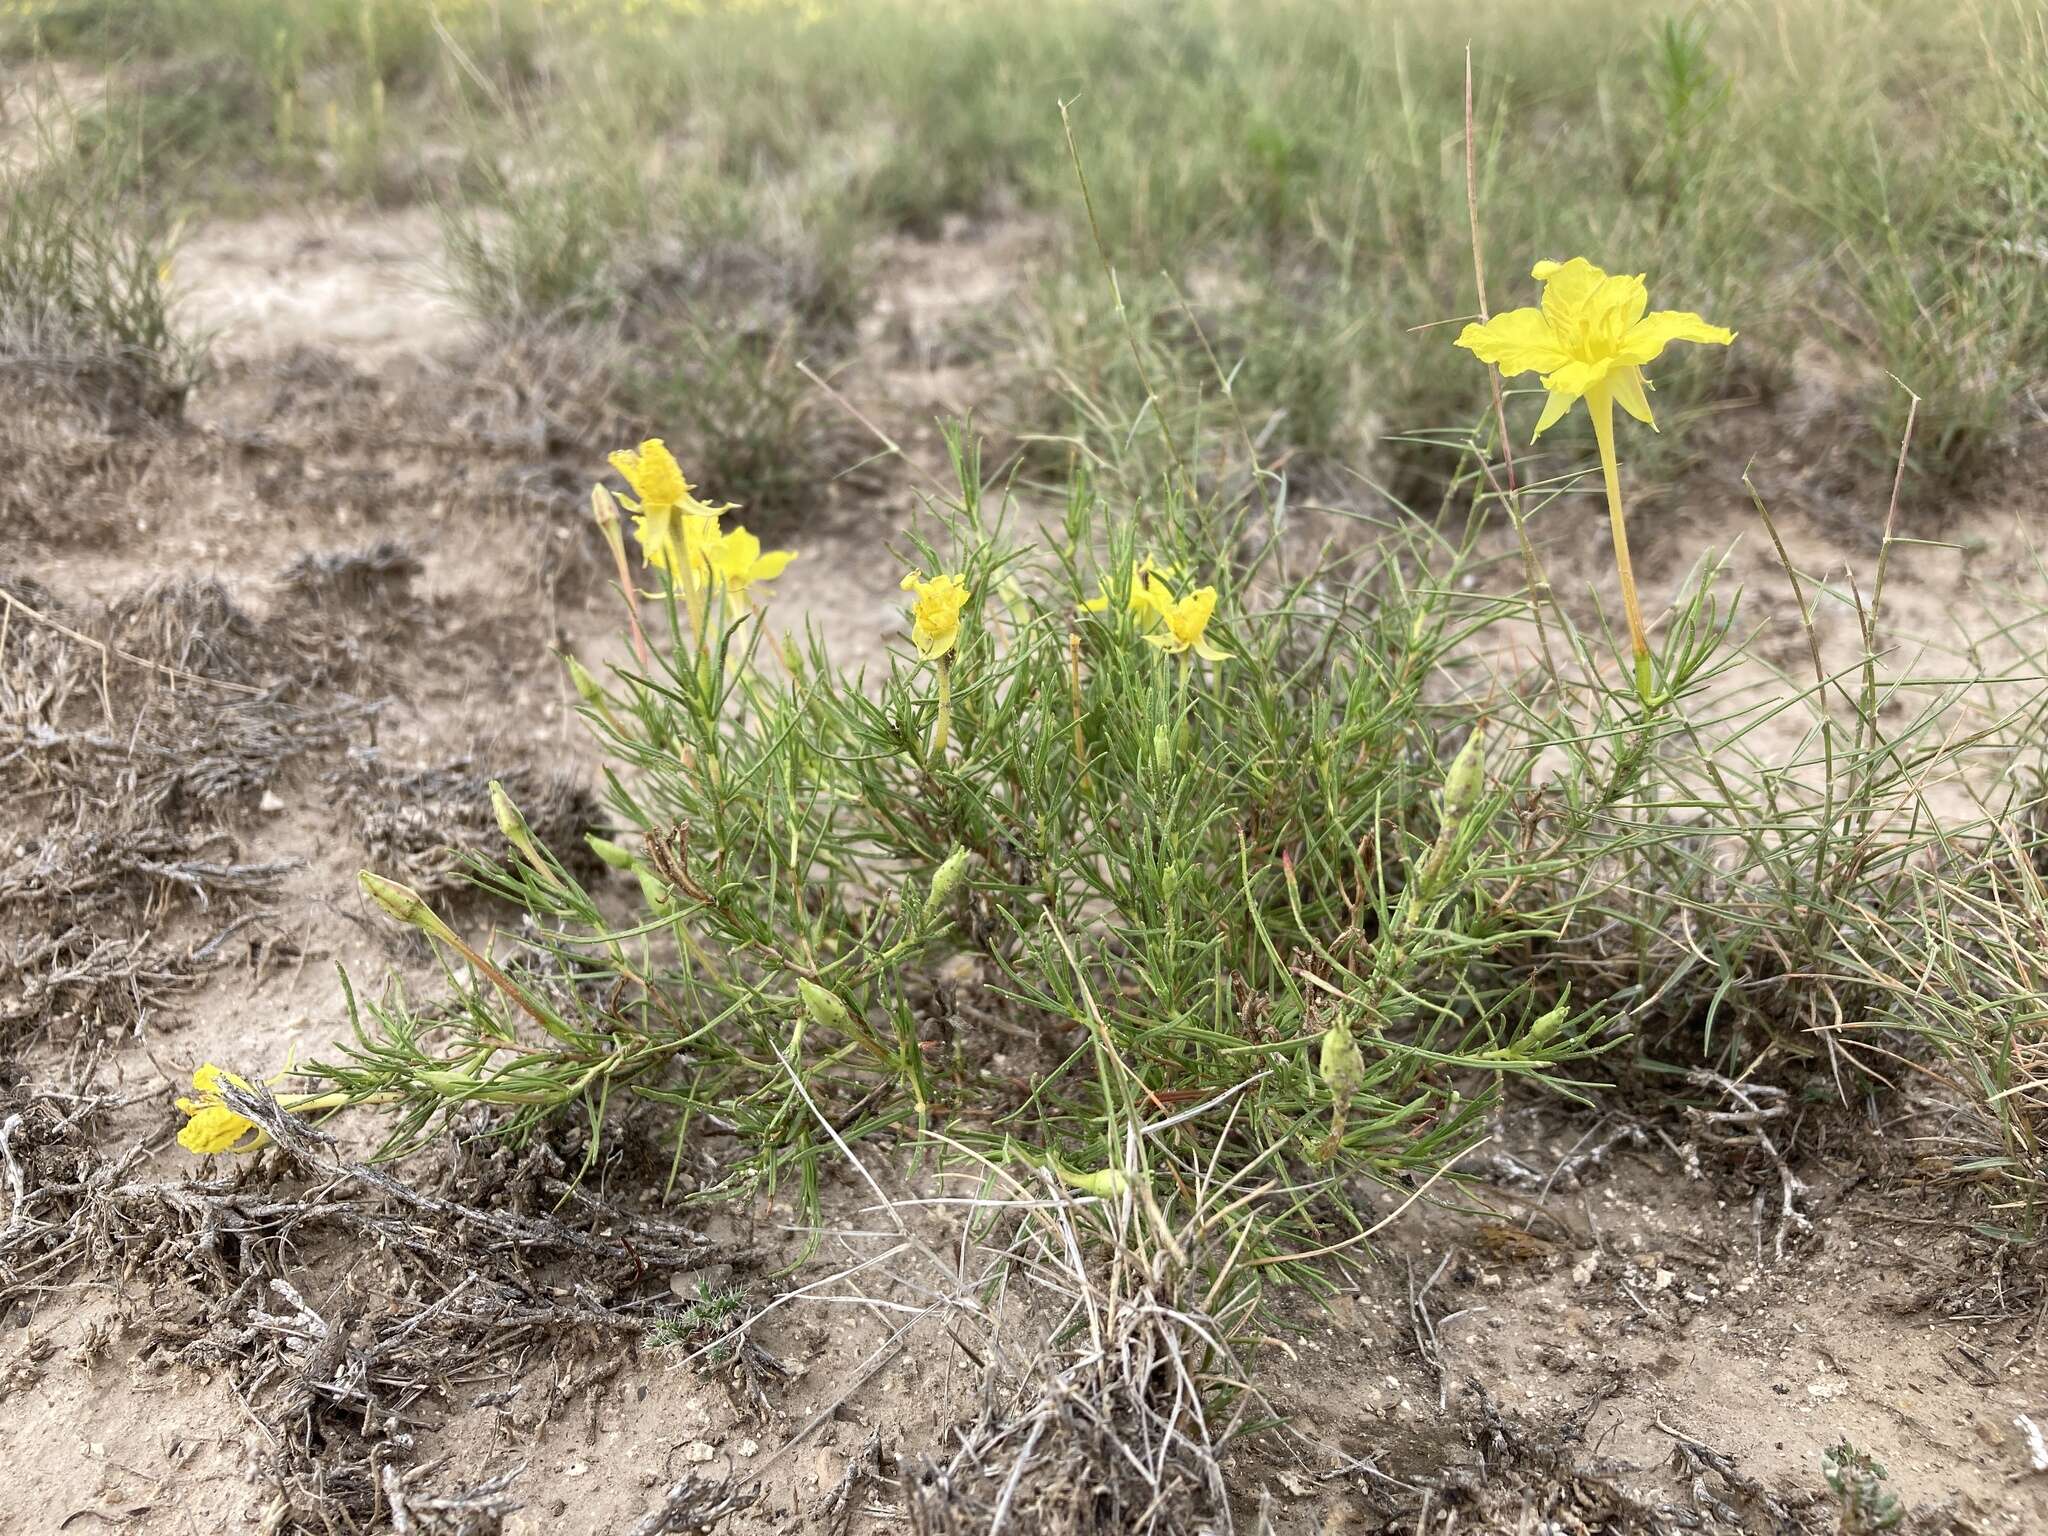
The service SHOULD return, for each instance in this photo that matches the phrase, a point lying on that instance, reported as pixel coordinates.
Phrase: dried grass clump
(333, 1376)
(136, 732)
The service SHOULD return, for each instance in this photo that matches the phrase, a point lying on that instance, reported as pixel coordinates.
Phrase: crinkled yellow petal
(1568, 288)
(653, 473)
(215, 1128)
(1627, 384)
(1515, 341)
(1650, 335)
(772, 564)
(1098, 604)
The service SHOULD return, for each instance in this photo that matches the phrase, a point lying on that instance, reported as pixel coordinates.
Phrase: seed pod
(825, 1009)
(1343, 1064)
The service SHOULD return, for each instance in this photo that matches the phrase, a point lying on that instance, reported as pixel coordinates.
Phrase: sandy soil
(1631, 1316)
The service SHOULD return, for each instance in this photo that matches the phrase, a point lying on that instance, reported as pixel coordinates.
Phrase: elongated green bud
(1342, 1065)
(946, 880)
(1546, 1026)
(1467, 778)
(652, 891)
(517, 833)
(587, 687)
(1106, 1183)
(404, 903)
(1162, 751)
(608, 851)
(824, 1008)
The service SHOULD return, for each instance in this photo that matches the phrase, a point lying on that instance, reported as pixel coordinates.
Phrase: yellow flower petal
(1517, 341)
(1651, 334)
(1627, 384)
(1554, 408)
(215, 1128)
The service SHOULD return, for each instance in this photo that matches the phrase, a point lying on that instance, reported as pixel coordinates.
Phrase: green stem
(944, 728)
(1600, 406)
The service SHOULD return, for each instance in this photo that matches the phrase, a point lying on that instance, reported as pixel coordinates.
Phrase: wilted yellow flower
(1151, 595)
(1186, 621)
(1589, 338)
(212, 1126)
(935, 621)
(653, 473)
(736, 559)
(676, 530)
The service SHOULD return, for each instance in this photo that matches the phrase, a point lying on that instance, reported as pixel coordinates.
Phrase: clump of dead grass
(229, 1281)
(136, 732)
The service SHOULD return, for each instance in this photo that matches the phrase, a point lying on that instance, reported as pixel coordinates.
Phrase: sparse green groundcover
(1284, 178)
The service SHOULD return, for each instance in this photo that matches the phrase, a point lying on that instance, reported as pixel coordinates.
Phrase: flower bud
(1343, 1064)
(608, 851)
(825, 1009)
(403, 903)
(1546, 1026)
(588, 689)
(652, 891)
(1106, 1184)
(946, 880)
(1467, 778)
(1162, 750)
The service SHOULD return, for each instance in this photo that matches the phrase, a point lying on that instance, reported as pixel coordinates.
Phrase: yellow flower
(656, 477)
(213, 1127)
(678, 541)
(736, 559)
(1150, 595)
(675, 529)
(935, 622)
(1590, 338)
(1186, 620)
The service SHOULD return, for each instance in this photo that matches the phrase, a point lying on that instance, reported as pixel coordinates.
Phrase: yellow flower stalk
(1185, 623)
(1590, 339)
(935, 631)
(736, 559)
